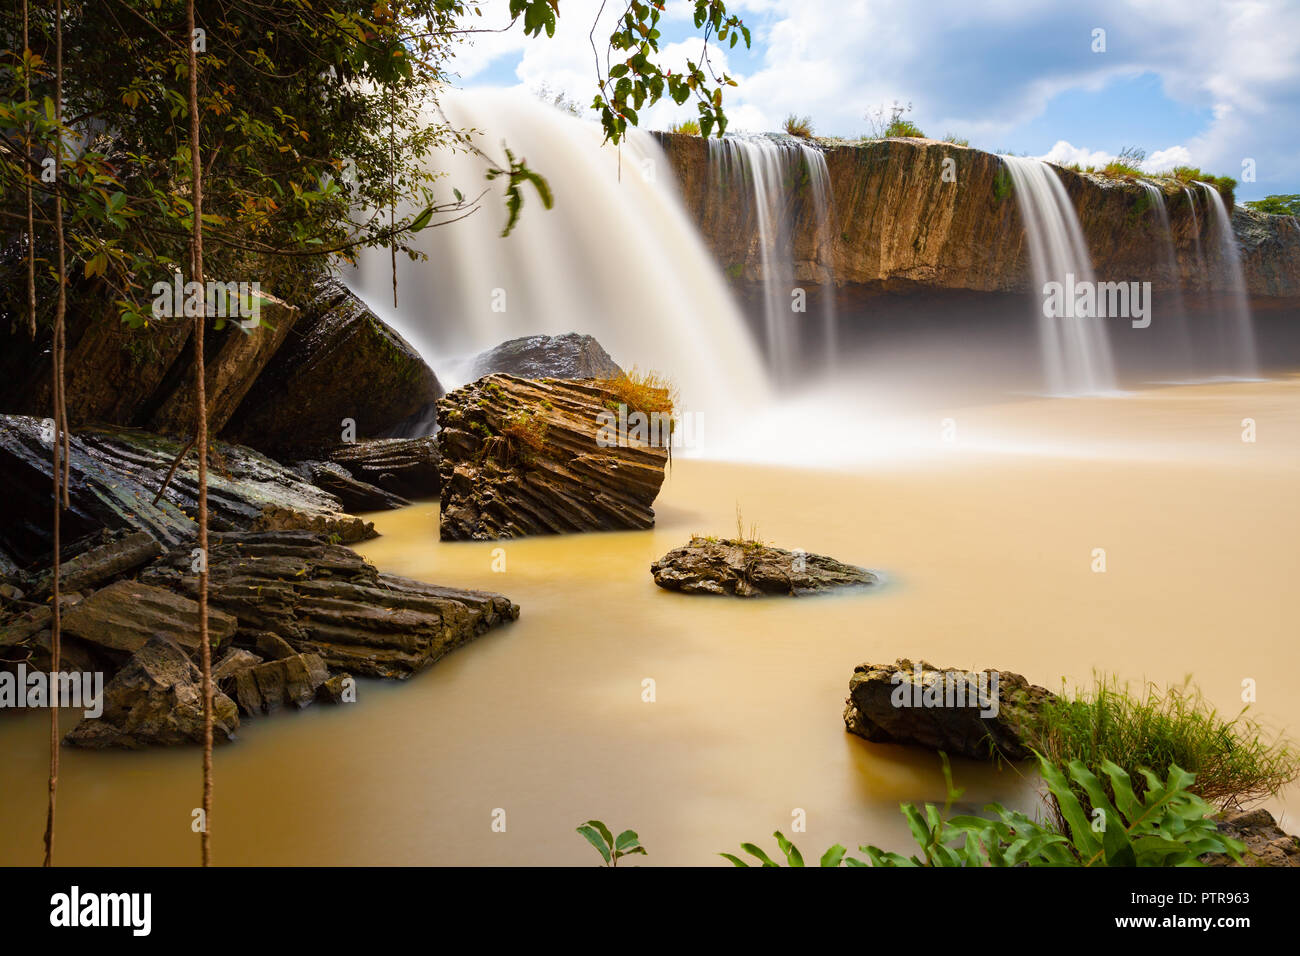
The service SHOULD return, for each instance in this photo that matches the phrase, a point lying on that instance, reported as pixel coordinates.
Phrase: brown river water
(986, 547)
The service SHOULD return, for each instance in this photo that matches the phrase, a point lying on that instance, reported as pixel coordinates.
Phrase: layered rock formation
(567, 356)
(339, 363)
(899, 224)
(750, 568)
(523, 457)
(975, 714)
(401, 466)
(116, 473)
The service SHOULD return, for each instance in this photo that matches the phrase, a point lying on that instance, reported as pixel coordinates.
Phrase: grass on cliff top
(688, 127)
(1235, 763)
(800, 126)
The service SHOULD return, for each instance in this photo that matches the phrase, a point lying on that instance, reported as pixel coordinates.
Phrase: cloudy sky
(1190, 81)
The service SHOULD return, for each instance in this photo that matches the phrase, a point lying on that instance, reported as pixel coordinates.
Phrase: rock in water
(324, 599)
(749, 568)
(523, 457)
(974, 714)
(402, 466)
(339, 362)
(157, 698)
(116, 472)
(567, 356)
(1267, 844)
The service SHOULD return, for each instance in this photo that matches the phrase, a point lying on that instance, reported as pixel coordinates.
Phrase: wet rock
(353, 494)
(265, 688)
(973, 714)
(567, 356)
(339, 689)
(324, 599)
(126, 614)
(401, 466)
(156, 699)
(121, 553)
(234, 660)
(749, 568)
(524, 457)
(116, 472)
(1267, 844)
(339, 362)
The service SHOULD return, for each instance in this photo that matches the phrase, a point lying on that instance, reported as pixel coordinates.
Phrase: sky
(1192, 82)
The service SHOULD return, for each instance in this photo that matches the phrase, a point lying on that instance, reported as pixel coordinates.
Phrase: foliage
(636, 81)
(688, 127)
(800, 126)
(525, 431)
(955, 140)
(611, 848)
(647, 392)
(1167, 825)
(888, 121)
(1119, 170)
(1233, 761)
(902, 127)
(1282, 205)
(1002, 184)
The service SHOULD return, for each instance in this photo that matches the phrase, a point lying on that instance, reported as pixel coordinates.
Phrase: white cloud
(1067, 154)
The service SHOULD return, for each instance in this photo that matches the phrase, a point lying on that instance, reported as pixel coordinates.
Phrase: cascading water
(1196, 233)
(1178, 340)
(1236, 329)
(773, 171)
(1076, 351)
(616, 258)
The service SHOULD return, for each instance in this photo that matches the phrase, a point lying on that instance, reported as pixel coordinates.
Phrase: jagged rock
(969, 713)
(230, 371)
(339, 362)
(235, 659)
(156, 699)
(402, 466)
(1267, 844)
(116, 472)
(121, 553)
(273, 647)
(324, 599)
(522, 457)
(335, 690)
(295, 679)
(355, 495)
(126, 614)
(748, 569)
(567, 356)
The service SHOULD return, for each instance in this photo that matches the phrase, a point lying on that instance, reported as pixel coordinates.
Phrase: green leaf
(735, 860)
(754, 851)
(833, 856)
(792, 854)
(594, 839)
(626, 839)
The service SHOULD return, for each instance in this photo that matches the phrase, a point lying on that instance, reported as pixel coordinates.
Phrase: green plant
(1001, 184)
(688, 127)
(1233, 761)
(800, 126)
(956, 141)
(1287, 205)
(902, 127)
(611, 848)
(832, 857)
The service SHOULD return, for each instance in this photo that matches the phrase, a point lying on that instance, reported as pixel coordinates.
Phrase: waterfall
(1076, 351)
(617, 257)
(1236, 329)
(773, 172)
(1196, 233)
(1181, 341)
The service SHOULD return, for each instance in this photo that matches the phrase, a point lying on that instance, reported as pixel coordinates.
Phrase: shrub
(1233, 762)
(611, 848)
(956, 141)
(901, 127)
(1277, 205)
(647, 392)
(690, 127)
(800, 126)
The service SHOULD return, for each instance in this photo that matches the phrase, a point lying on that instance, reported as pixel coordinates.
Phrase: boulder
(1267, 844)
(974, 714)
(523, 457)
(324, 599)
(354, 495)
(116, 473)
(126, 614)
(339, 362)
(156, 699)
(121, 552)
(750, 568)
(567, 356)
(265, 688)
(407, 467)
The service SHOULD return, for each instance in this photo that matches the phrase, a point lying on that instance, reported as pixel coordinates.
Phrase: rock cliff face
(897, 224)
(523, 457)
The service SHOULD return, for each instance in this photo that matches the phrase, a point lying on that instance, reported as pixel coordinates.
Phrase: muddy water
(986, 543)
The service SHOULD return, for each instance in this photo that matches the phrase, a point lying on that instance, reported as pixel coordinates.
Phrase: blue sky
(1212, 84)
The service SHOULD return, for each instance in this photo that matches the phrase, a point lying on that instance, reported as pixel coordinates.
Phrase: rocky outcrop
(523, 457)
(900, 224)
(750, 568)
(974, 714)
(116, 473)
(126, 614)
(156, 699)
(340, 362)
(567, 356)
(1267, 844)
(402, 466)
(323, 599)
(353, 494)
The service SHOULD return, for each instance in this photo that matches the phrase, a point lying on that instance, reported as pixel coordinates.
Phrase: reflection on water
(986, 544)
